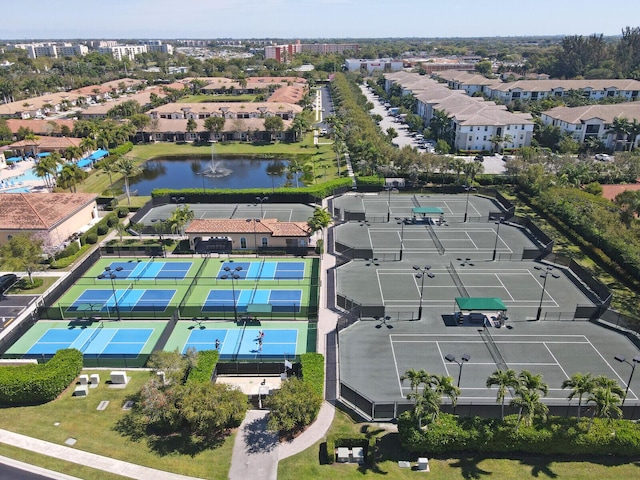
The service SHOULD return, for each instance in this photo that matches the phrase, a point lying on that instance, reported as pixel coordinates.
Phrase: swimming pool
(29, 175)
(17, 190)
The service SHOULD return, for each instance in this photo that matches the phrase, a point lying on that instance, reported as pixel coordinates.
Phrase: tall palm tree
(444, 386)
(529, 404)
(72, 153)
(580, 384)
(633, 132)
(532, 381)
(605, 402)
(416, 378)
(69, 177)
(504, 379)
(620, 130)
(422, 403)
(108, 167)
(128, 168)
(87, 144)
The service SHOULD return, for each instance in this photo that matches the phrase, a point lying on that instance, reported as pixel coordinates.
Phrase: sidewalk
(87, 459)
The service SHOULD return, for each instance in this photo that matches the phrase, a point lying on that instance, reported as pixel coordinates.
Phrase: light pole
(388, 189)
(495, 246)
(422, 272)
(273, 181)
(464, 358)
(635, 360)
(466, 207)
(233, 275)
(110, 274)
(261, 199)
(255, 235)
(548, 270)
(401, 223)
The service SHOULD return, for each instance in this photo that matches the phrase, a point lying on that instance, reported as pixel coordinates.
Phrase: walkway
(87, 459)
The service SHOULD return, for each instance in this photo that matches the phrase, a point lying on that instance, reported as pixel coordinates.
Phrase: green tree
(443, 386)
(504, 380)
(179, 218)
(299, 127)
(23, 253)
(214, 125)
(128, 168)
(273, 125)
(69, 177)
(72, 153)
(580, 384)
(191, 125)
(293, 407)
(528, 399)
(620, 128)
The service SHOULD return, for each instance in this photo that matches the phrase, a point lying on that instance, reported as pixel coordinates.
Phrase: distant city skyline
(292, 19)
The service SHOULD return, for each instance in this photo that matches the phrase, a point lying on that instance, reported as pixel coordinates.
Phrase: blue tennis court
(148, 270)
(280, 300)
(265, 270)
(92, 341)
(129, 300)
(243, 343)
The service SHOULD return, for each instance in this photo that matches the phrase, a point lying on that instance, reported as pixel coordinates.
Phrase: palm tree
(605, 398)
(422, 402)
(415, 377)
(444, 386)
(633, 132)
(69, 176)
(108, 167)
(128, 168)
(529, 404)
(299, 126)
(504, 379)
(532, 381)
(72, 153)
(579, 384)
(87, 144)
(620, 130)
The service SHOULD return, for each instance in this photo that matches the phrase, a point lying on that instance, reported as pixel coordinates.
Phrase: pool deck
(11, 174)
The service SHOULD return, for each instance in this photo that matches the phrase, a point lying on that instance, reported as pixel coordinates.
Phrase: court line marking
(380, 287)
(442, 359)
(504, 286)
(555, 359)
(395, 361)
(609, 365)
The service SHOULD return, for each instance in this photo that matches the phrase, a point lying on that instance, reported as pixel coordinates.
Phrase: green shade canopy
(427, 211)
(258, 308)
(480, 303)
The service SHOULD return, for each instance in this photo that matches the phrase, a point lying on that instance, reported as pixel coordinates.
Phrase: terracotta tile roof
(287, 94)
(167, 125)
(39, 211)
(268, 225)
(49, 143)
(39, 127)
(611, 191)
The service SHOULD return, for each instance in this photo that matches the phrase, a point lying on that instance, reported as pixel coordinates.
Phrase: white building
(120, 52)
(379, 65)
(53, 50)
(157, 46)
(593, 121)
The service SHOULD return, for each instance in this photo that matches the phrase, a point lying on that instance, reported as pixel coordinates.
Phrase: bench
(81, 391)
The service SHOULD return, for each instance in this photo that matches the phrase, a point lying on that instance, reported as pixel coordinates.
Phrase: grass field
(94, 431)
(306, 465)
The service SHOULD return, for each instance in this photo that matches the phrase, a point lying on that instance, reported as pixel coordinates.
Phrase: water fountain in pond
(216, 169)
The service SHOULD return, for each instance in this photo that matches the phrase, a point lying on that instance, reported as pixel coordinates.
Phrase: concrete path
(87, 459)
(255, 451)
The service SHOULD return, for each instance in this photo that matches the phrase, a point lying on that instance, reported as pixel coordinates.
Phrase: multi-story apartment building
(53, 50)
(477, 124)
(284, 53)
(378, 65)
(157, 46)
(121, 52)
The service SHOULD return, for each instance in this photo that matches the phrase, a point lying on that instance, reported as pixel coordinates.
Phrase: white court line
(609, 365)
(446, 369)
(395, 362)
(471, 239)
(446, 205)
(505, 288)
(555, 359)
(370, 239)
(380, 287)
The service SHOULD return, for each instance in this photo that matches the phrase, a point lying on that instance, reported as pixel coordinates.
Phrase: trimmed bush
(202, 372)
(91, 238)
(102, 229)
(112, 221)
(313, 371)
(556, 436)
(36, 384)
(122, 212)
(71, 250)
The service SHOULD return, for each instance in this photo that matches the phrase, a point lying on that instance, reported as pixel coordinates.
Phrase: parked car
(506, 158)
(479, 158)
(603, 157)
(6, 282)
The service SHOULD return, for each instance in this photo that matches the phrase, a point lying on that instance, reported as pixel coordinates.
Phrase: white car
(603, 157)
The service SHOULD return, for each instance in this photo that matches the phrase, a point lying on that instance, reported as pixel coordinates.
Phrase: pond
(203, 172)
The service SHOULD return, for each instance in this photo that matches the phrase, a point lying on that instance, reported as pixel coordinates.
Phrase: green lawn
(218, 98)
(94, 431)
(46, 283)
(306, 465)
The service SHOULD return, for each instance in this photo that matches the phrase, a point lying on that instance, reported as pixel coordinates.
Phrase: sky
(293, 19)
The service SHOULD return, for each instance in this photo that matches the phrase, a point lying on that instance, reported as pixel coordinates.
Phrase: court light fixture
(233, 275)
(635, 360)
(495, 246)
(468, 189)
(401, 222)
(547, 270)
(255, 235)
(422, 272)
(111, 275)
(261, 200)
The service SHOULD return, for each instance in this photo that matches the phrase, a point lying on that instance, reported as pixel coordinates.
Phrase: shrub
(71, 250)
(91, 238)
(293, 407)
(313, 371)
(202, 372)
(102, 229)
(36, 384)
(122, 212)
(112, 221)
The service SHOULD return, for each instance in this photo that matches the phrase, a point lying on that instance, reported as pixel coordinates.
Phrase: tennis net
(434, 237)
(493, 349)
(86, 344)
(415, 201)
(457, 281)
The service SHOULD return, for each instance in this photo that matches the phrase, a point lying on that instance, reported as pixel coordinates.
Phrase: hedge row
(313, 371)
(100, 228)
(556, 436)
(121, 149)
(203, 370)
(36, 384)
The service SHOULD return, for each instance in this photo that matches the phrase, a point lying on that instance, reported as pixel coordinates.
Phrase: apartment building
(594, 121)
(476, 123)
(528, 90)
(228, 110)
(120, 52)
(53, 50)
(157, 46)
(250, 85)
(284, 53)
